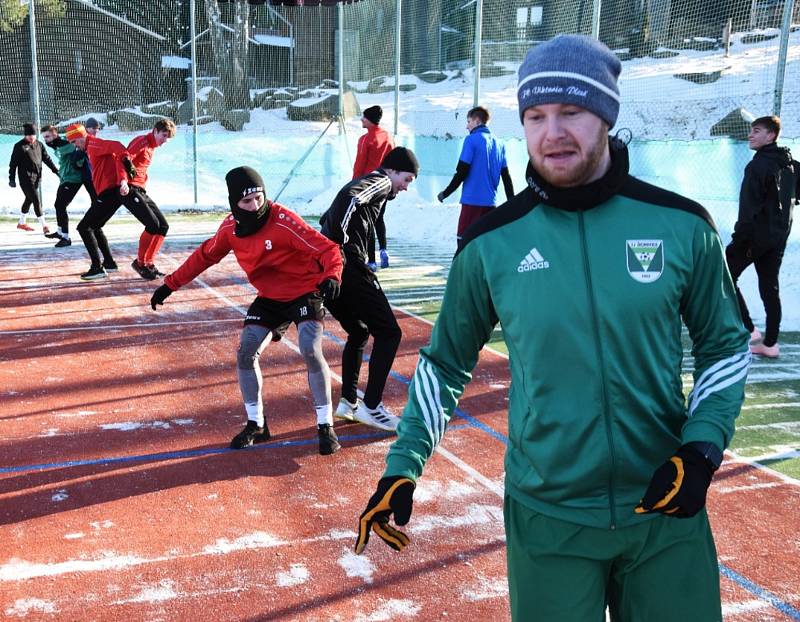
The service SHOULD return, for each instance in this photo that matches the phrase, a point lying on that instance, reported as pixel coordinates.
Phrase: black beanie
(374, 114)
(401, 159)
(29, 129)
(242, 181)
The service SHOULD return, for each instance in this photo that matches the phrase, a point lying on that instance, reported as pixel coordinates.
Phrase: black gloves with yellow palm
(393, 496)
(679, 486)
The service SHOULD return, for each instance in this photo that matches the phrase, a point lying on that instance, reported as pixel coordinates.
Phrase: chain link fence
(281, 88)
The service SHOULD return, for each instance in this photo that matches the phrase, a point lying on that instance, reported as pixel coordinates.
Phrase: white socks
(324, 414)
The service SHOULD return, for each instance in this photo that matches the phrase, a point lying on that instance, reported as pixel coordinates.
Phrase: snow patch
(23, 606)
(19, 570)
(256, 540)
(356, 565)
(486, 588)
(476, 515)
(296, 575)
(61, 495)
(391, 610)
(164, 591)
(74, 536)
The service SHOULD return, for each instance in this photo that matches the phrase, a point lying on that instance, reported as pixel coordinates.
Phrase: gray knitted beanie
(571, 69)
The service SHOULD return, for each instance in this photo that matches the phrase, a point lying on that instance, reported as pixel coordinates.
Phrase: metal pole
(193, 35)
(398, 33)
(788, 8)
(596, 19)
(340, 12)
(35, 82)
(478, 37)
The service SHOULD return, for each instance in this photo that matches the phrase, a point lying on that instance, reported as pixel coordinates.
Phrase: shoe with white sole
(346, 410)
(771, 352)
(377, 417)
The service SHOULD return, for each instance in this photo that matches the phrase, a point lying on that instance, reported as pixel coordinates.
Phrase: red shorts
(469, 214)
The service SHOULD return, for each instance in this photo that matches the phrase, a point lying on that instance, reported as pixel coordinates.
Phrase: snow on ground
(670, 119)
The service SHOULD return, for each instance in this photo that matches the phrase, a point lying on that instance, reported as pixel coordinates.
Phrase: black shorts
(277, 316)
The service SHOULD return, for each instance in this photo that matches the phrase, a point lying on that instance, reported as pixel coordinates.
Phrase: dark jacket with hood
(27, 158)
(768, 194)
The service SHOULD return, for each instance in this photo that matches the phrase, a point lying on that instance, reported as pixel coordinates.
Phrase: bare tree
(230, 45)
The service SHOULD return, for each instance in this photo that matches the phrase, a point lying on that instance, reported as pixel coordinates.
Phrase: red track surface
(265, 533)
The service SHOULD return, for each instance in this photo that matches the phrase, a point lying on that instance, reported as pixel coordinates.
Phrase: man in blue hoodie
(480, 166)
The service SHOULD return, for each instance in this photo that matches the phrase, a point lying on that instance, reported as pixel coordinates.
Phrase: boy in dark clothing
(27, 157)
(71, 162)
(362, 309)
(292, 267)
(372, 148)
(768, 194)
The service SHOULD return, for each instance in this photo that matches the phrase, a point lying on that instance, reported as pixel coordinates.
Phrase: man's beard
(580, 173)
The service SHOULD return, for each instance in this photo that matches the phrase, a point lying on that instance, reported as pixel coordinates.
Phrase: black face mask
(247, 223)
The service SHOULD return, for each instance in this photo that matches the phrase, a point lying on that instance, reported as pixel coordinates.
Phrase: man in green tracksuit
(591, 274)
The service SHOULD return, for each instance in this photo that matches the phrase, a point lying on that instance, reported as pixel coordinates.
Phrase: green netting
(282, 87)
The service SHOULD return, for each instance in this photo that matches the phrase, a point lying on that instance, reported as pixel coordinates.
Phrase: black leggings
(362, 310)
(64, 195)
(31, 191)
(91, 225)
(146, 211)
(767, 265)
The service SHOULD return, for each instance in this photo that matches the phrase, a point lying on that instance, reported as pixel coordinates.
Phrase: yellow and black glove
(679, 486)
(395, 495)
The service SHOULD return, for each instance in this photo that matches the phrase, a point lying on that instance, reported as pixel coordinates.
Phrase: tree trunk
(230, 51)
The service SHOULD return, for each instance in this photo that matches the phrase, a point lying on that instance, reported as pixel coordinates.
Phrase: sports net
(280, 86)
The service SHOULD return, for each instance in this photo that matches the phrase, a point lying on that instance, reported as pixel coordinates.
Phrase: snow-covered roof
(176, 62)
(274, 40)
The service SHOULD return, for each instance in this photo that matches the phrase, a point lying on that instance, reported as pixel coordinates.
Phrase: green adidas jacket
(68, 161)
(591, 287)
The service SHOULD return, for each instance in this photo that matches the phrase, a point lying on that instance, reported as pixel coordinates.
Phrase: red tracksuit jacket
(141, 149)
(105, 156)
(372, 148)
(283, 260)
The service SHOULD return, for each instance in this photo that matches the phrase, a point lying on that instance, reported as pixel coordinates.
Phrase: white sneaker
(345, 410)
(755, 336)
(771, 352)
(377, 417)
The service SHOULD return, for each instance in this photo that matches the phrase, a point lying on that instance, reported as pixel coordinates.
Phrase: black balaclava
(242, 181)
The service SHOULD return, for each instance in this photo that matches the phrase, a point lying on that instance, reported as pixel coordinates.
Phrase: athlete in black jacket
(768, 194)
(27, 157)
(362, 308)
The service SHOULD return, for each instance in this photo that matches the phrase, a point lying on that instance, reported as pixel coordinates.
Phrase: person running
(607, 464)
(26, 161)
(140, 204)
(770, 188)
(362, 309)
(71, 175)
(109, 178)
(292, 267)
(372, 148)
(480, 167)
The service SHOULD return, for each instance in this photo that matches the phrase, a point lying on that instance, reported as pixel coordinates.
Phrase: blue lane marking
(191, 453)
(760, 592)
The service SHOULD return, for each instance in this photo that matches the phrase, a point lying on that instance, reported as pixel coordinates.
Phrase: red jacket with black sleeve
(141, 150)
(105, 156)
(372, 148)
(285, 259)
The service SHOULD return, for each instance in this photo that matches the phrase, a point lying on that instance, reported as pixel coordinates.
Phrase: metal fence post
(478, 37)
(596, 19)
(340, 55)
(788, 8)
(193, 35)
(35, 81)
(397, 50)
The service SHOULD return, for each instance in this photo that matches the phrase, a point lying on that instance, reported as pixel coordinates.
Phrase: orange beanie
(76, 130)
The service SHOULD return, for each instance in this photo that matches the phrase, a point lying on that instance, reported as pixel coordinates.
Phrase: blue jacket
(486, 158)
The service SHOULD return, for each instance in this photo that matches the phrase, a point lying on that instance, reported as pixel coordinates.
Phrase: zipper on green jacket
(606, 415)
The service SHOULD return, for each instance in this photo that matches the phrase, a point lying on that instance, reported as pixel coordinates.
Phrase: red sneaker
(24, 227)
(45, 229)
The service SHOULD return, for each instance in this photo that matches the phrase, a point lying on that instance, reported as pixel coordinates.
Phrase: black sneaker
(328, 441)
(63, 242)
(53, 235)
(94, 273)
(156, 271)
(142, 270)
(110, 266)
(251, 435)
